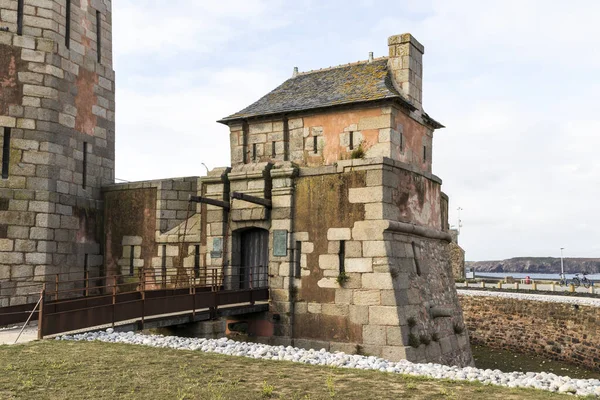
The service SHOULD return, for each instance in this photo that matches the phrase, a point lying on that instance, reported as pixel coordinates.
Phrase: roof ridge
(312, 71)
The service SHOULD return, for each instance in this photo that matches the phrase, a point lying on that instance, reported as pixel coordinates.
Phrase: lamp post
(205, 167)
(562, 268)
(459, 209)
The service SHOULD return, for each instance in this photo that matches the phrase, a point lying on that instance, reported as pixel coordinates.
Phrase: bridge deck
(139, 303)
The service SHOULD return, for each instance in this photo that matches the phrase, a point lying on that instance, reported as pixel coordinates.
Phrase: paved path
(585, 301)
(9, 335)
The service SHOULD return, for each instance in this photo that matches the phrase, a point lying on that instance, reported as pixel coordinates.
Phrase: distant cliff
(537, 265)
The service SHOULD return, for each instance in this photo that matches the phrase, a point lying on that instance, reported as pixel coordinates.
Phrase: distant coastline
(541, 265)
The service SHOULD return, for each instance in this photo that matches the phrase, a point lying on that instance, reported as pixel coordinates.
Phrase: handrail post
(41, 313)
(193, 293)
(114, 299)
(143, 287)
(214, 280)
(87, 283)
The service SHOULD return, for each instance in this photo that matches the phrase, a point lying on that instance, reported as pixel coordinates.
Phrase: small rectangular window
(20, 12)
(424, 153)
(197, 261)
(298, 260)
(401, 142)
(254, 152)
(68, 24)
(416, 253)
(99, 35)
(131, 255)
(245, 142)
(286, 140)
(86, 279)
(163, 264)
(84, 172)
(351, 144)
(273, 150)
(342, 256)
(6, 153)
(315, 144)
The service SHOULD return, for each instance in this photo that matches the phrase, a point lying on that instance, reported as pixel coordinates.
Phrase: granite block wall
(317, 139)
(559, 331)
(57, 131)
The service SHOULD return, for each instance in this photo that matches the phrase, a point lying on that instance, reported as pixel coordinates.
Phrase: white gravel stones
(584, 301)
(542, 380)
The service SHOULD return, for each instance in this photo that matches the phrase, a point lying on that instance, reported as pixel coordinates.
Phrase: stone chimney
(406, 64)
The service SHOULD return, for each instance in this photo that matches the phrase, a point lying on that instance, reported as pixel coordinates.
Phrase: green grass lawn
(94, 370)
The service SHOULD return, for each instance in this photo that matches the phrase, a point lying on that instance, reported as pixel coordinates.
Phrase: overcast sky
(516, 83)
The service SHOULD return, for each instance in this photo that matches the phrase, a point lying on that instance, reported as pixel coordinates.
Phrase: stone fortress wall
(362, 261)
(57, 113)
(564, 331)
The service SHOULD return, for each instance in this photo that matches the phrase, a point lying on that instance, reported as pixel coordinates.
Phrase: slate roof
(353, 83)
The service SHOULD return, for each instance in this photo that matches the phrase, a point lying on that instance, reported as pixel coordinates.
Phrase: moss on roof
(347, 84)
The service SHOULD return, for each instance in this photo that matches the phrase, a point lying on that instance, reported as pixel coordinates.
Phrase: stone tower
(57, 113)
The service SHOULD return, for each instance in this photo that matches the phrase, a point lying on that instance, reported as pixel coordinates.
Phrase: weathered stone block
(393, 353)
(328, 283)
(41, 206)
(17, 232)
(373, 194)
(393, 297)
(343, 296)
(359, 314)
(446, 345)
(394, 336)
(46, 246)
(377, 248)
(38, 258)
(386, 315)
(377, 281)
(353, 249)
(433, 351)
(314, 308)
(295, 123)
(333, 247)
(369, 230)
(4, 273)
(347, 348)
(9, 122)
(339, 233)
(13, 218)
(359, 264)
(367, 297)
(335, 309)
(21, 271)
(329, 261)
(11, 258)
(301, 236)
(6, 245)
(373, 334)
(264, 127)
(308, 247)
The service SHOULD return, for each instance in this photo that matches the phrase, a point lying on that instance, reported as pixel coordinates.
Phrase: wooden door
(255, 259)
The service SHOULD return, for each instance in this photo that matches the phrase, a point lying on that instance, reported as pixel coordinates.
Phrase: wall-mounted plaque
(217, 251)
(280, 243)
